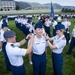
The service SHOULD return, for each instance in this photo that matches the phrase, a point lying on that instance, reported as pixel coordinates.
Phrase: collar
(38, 39)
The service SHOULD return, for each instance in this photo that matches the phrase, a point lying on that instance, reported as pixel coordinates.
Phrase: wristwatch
(26, 39)
(47, 39)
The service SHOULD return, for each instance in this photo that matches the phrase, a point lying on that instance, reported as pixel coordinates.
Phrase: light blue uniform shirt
(1, 36)
(60, 43)
(39, 46)
(73, 32)
(15, 54)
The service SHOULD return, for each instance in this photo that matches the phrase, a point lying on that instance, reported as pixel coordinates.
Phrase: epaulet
(63, 38)
(34, 34)
(13, 45)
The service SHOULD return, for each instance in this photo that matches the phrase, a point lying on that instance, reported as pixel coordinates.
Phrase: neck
(9, 41)
(3, 29)
(38, 36)
(61, 35)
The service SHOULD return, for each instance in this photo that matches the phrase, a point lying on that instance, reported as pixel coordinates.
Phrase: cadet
(30, 25)
(29, 55)
(4, 19)
(59, 23)
(47, 24)
(53, 25)
(59, 42)
(39, 47)
(72, 44)
(19, 21)
(15, 53)
(3, 44)
(25, 19)
(67, 24)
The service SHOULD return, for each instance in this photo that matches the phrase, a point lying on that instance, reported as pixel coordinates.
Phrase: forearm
(29, 49)
(50, 39)
(51, 46)
(22, 42)
(1, 44)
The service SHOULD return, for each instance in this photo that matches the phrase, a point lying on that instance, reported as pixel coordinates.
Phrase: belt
(17, 66)
(38, 54)
(73, 36)
(57, 53)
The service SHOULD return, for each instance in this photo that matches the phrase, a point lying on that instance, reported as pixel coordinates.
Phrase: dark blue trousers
(25, 30)
(16, 23)
(72, 44)
(67, 36)
(39, 64)
(19, 26)
(20, 70)
(8, 65)
(54, 32)
(48, 31)
(57, 60)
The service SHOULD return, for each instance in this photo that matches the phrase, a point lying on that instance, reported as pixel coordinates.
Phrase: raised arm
(29, 49)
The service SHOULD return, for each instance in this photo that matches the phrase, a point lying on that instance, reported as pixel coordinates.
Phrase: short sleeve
(47, 44)
(52, 38)
(1, 38)
(73, 32)
(28, 42)
(0, 25)
(69, 23)
(18, 51)
(60, 44)
(17, 44)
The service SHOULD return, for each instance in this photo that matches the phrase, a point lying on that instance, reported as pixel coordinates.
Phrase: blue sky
(61, 2)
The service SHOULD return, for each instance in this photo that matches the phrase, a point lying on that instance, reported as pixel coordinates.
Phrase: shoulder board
(63, 38)
(13, 45)
(34, 34)
(37, 43)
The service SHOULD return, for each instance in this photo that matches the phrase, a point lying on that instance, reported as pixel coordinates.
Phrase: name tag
(43, 42)
(37, 43)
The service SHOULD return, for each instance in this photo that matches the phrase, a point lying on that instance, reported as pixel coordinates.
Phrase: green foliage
(69, 61)
(67, 10)
(17, 7)
(1, 9)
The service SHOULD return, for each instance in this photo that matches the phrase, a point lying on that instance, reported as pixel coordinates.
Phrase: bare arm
(22, 42)
(29, 49)
(50, 39)
(1, 44)
(51, 46)
(47, 37)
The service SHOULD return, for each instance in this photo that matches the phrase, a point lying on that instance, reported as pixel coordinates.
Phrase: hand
(31, 35)
(46, 36)
(28, 36)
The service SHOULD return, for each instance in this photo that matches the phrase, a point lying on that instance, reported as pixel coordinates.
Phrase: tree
(1, 9)
(72, 10)
(67, 10)
(17, 7)
(63, 9)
